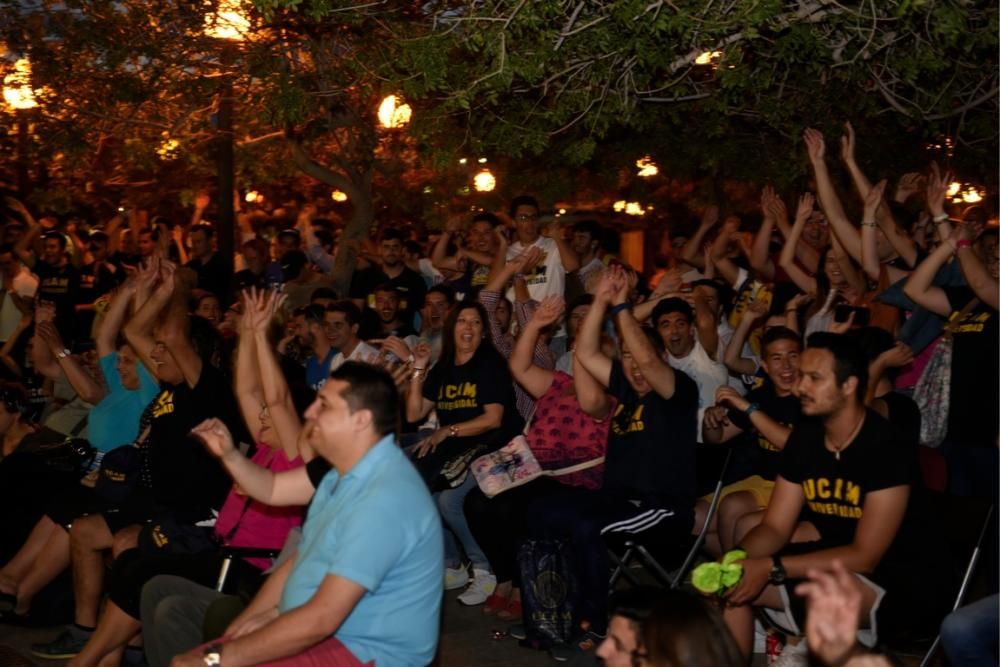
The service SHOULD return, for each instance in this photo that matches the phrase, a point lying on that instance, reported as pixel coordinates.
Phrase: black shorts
(80, 501)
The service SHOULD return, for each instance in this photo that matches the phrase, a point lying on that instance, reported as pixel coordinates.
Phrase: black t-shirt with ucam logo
(651, 446)
(835, 490)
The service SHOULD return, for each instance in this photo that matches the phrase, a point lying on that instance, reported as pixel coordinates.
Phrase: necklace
(850, 438)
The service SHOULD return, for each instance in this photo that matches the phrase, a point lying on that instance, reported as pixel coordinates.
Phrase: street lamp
(20, 97)
(228, 25)
(484, 181)
(394, 113)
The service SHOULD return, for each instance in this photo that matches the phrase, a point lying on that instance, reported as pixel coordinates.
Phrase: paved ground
(467, 640)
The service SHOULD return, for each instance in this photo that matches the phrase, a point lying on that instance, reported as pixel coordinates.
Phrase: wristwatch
(212, 655)
(778, 574)
(63, 353)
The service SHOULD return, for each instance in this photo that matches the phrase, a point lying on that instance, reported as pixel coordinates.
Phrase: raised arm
(150, 302)
(439, 255)
(937, 189)
(802, 280)
(976, 274)
(920, 285)
(828, 199)
(278, 398)
(869, 251)
(83, 384)
(658, 374)
(114, 316)
(704, 320)
(588, 341)
(725, 266)
(23, 246)
(555, 231)
(733, 356)
(771, 206)
(535, 379)
(690, 252)
(249, 391)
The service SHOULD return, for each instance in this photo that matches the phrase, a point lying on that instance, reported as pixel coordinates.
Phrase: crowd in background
(837, 349)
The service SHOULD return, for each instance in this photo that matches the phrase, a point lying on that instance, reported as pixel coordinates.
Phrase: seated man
(765, 417)
(365, 583)
(845, 471)
(649, 474)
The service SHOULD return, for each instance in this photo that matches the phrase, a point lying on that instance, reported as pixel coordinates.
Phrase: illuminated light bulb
(463, 161)
(484, 181)
(953, 188)
(634, 208)
(253, 196)
(972, 196)
(481, 160)
(168, 147)
(562, 211)
(17, 90)
(338, 196)
(707, 57)
(619, 206)
(393, 113)
(646, 167)
(228, 22)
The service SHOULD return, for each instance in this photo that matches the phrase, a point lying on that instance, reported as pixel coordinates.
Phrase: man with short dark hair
(845, 472)
(343, 319)
(438, 303)
(586, 244)
(391, 317)
(208, 264)
(690, 338)
(318, 364)
(364, 585)
(392, 271)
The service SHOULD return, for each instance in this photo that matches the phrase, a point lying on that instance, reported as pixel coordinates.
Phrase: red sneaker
(494, 604)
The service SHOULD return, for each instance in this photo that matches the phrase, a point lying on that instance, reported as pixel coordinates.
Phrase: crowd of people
(168, 425)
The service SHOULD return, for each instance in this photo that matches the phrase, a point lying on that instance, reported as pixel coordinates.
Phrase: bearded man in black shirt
(845, 471)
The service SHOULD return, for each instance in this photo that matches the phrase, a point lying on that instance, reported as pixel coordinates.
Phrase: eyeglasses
(524, 217)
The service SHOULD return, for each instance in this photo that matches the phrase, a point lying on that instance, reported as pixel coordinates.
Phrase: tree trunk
(359, 191)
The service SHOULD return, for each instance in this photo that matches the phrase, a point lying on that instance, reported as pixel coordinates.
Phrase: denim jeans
(969, 634)
(450, 504)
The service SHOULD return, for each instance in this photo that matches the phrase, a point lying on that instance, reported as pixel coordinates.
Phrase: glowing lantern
(393, 113)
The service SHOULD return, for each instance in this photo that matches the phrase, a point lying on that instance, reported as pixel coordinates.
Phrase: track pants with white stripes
(591, 521)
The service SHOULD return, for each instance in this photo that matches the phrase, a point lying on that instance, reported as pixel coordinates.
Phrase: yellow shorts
(760, 488)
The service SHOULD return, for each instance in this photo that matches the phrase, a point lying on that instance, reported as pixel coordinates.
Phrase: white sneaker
(482, 586)
(455, 577)
(793, 655)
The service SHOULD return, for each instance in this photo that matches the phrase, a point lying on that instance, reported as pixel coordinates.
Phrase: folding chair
(229, 553)
(636, 551)
(963, 588)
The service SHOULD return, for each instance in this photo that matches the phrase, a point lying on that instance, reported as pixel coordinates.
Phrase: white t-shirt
(590, 268)
(707, 373)
(549, 277)
(362, 352)
(24, 285)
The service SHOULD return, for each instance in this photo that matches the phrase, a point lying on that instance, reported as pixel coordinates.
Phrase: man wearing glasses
(549, 277)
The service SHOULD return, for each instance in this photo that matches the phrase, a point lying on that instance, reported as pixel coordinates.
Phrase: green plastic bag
(718, 578)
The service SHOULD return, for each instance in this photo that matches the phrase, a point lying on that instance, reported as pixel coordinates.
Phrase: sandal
(512, 612)
(495, 604)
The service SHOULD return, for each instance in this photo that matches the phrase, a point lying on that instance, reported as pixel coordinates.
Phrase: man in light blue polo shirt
(365, 584)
